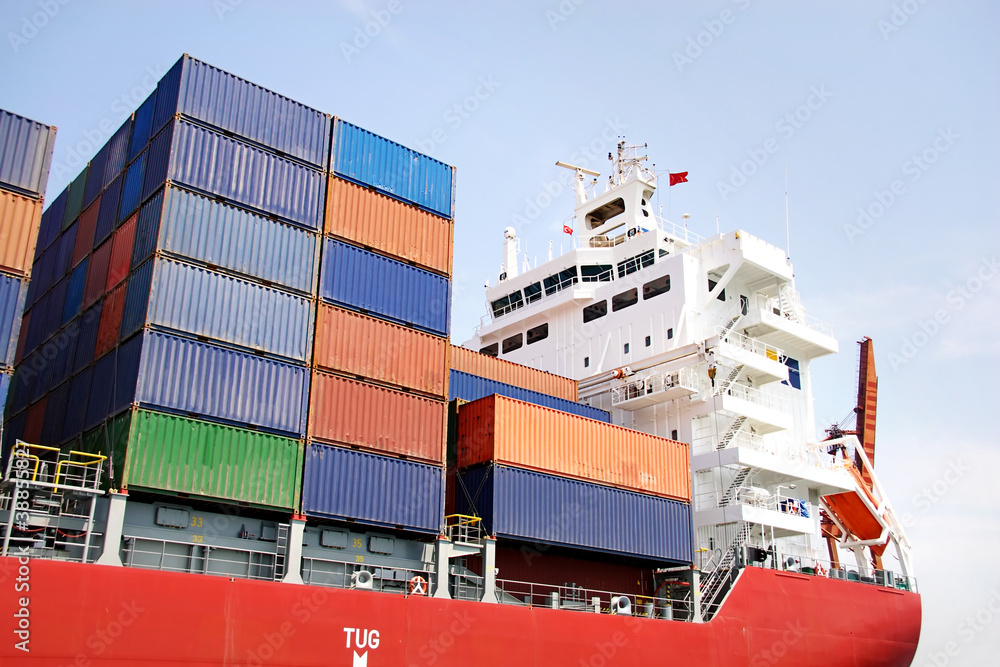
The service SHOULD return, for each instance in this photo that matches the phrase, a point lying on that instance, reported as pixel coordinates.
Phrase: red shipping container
(121, 254)
(111, 320)
(353, 343)
(485, 366)
(97, 274)
(19, 221)
(525, 435)
(377, 419)
(34, 421)
(386, 225)
(85, 231)
(19, 351)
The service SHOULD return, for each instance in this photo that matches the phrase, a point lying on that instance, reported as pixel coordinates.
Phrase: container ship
(236, 431)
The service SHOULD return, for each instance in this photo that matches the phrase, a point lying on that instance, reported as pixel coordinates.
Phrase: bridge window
(603, 214)
(541, 332)
(559, 281)
(509, 303)
(594, 311)
(595, 273)
(532, 292)
(490, 350)
(656, 287)
(625, 299)
(512, 343)
(633, 264)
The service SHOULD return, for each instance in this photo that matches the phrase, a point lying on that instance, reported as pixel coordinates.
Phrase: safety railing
(749, 344)
(463, 528)
(193, 557)
(756, 396)
(655, 384)
(759, 556)
(380, 578)
(576, 598)
(42, 466)
(788, 305)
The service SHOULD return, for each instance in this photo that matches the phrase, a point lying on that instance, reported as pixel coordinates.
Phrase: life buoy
(820, 570)
(418, 586)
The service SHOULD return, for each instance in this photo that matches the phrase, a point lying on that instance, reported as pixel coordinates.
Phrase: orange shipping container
(349, 342)
(377, 419)
(363, 216)
(485, 366)
(501, 429)
(19, 220)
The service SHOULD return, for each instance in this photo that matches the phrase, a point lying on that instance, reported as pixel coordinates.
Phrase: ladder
(715, 585)
(733, 490)
(280, 551)
(723, 386)
(731, 432)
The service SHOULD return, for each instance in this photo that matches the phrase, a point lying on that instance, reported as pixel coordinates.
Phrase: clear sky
(883, 112)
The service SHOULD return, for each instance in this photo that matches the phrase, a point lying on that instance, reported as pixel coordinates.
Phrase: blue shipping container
(86, 339)
(5, 379)
(212, 163)
(188, 225)
(74, 292)
(142, 123)
(95, 177)
(13, 292)
(178, 297)
(104, 395)
(107, 217)
(345, 484)
(385, 288)
(132, 187)
(469, 387)
(76, 404)
(55, 415)
(25, 153)
(219, 99)
(179, 375)
(48, 230)
(400, 172)
(530, 506)
(117, 151)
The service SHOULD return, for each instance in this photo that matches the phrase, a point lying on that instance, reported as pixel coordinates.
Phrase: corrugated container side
(74, 293)
(64, 256)
(63, 347)
(76, 406)
(95, 178)
(167, 92)
(108, 217)
(97, 275)
(34, 421)
(12, 295)
(343, 484)
(85, 227)
(217, 234)
(355, 344)
(5, 379)
(131, 196)
(362, 280)
(377, 418)
(485, 366)
(387, 225)
(21, 338)
(136, 300)
(142, 121)
(74, 200)
(191, 300)
(117, 151)
(164, 452)
(19, 220)
(43, 273)
(158, 160)
(25, 152)
(20, 386)
(400, 172)
(244, 174)
(51, 222)
(503, 430)
(102, 390)
(470, 388)
(531, 506)
(86, 341)
(121, 254)
(243, 108)
(13, 430)
(199, 379)
(55, 415)
(111, 319)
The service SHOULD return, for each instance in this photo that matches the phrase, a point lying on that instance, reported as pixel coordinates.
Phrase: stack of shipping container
(25, 156)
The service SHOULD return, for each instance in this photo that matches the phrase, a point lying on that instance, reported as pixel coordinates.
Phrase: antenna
(788, 236)
(581, 193)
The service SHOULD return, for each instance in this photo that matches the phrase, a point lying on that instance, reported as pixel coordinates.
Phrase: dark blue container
(469, 387)
(51, 222)
(117, 151)
(107, 218)
(76, 404)
(12, 431)
(55, 415)
(25, 153)
(184, 224)
(74, 292)
(132, 187)
(385, 288)
(217, 98)
(5, 379)
(64, 253)
(55, 303)
(102, 390)
(545, 509)
(13, 292)
(209, 162)
(142, 123)
(86, 339)
(63, 346)
(183, 376)
(368, 488)
(95, 177)
(20, 386)
(400, 172)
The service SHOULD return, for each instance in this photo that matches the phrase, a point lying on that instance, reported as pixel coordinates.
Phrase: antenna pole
(788, 236)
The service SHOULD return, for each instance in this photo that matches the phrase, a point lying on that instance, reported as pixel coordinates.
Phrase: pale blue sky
(886, 86)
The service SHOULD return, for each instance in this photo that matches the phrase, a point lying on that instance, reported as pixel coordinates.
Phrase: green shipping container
(160, 452)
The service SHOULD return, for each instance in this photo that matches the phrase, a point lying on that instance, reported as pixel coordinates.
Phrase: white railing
(749, 344)
(656, 384)
(576, 598)
(821, 567)
(788, 305)
(757, 397)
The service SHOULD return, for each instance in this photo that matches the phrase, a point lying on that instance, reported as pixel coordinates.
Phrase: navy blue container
(142, 123)
(209, 162)
(529, 506)
(117, 151)
(76, 404)
(383, 287)
(13, 292)
(176, 297)
(132, 187)
(20, 386)
(368, 488)
(5, 379)
(86, 338)
(12, 431)
(25, 153)
(217, 98)
(74, 292)
(55, 415)
(184, 224)
(64, 253)
(107, 217)
(102, 390)
(63, 347)
(95, 177)
(48, 230)
(400, 172)
(469, 387)
(178, 375)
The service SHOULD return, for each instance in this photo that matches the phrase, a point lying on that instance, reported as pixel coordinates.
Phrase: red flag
(567, 229)
(681, 177)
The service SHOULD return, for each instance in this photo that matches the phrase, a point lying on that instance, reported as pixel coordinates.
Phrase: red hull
(96, 615)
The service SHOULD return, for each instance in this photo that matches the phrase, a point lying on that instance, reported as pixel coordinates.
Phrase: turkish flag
(567, 229)
(681, 177)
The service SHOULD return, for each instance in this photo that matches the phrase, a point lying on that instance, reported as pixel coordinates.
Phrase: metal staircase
(731, 432)
(728, 381)
(732, 492)
(717, 583)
